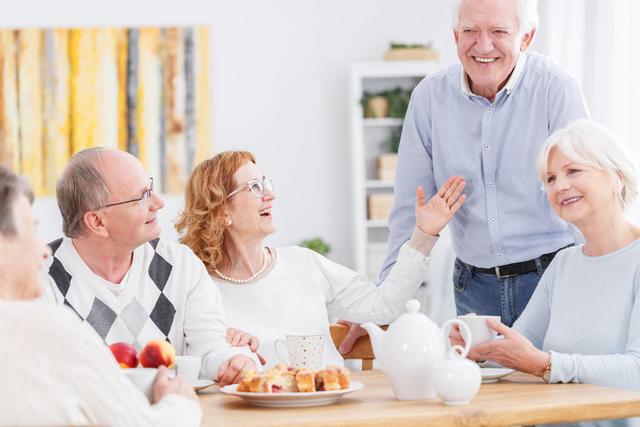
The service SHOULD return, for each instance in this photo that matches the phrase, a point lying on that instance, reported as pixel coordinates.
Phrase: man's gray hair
(81, 188)
(527, 14)
(11, 186)
(588, 143)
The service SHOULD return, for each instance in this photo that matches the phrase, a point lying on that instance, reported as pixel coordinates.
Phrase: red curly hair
(202, 224)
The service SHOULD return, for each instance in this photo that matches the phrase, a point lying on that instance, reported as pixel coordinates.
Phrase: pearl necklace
(248, 279)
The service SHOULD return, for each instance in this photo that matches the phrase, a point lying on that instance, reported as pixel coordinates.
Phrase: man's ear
(456, 36)
(95, 223)
(527, 39)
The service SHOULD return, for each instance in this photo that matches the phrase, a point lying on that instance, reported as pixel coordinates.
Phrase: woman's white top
(586, 312)
(304, 289)
(54, 370)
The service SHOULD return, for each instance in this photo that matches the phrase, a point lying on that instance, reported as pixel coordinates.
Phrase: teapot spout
(376, 334)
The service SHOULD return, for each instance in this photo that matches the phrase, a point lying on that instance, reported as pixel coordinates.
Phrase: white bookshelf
(367, 136)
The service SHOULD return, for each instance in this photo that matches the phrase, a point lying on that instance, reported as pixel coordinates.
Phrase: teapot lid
(412, 318)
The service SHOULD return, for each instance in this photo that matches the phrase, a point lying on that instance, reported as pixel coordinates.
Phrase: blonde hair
(202, 224)
(591, 144)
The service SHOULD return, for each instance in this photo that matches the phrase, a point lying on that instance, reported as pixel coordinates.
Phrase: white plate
(292, 400)
(492, 375)
(201, 384)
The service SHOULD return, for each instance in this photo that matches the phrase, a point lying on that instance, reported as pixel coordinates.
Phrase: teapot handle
(466, 333)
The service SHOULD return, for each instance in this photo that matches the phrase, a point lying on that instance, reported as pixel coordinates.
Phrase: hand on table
(434, 215)
(230, 370)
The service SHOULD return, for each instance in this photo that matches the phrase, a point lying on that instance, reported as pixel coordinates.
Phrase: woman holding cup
(55, 371)
(274, 292)
(582, 323)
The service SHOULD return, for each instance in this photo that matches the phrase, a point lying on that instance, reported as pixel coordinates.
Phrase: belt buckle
(500, 276)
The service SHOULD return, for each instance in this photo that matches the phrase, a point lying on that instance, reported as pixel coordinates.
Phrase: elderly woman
(583, 322)
(271, 292)
(54, 370)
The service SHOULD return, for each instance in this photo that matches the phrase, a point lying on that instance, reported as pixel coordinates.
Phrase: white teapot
(409, 351)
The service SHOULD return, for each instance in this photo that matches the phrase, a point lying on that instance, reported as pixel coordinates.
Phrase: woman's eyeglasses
(256, 186)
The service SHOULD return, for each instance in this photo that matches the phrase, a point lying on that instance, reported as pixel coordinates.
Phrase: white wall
(279, 76)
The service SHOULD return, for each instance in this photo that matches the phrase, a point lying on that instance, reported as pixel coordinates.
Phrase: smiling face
(251, 216)
(129, 224)
(489, 41)
(577, 192)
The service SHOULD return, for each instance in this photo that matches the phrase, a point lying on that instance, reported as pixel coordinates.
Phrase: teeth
(485, 60)
(264, 211)
(571, 200)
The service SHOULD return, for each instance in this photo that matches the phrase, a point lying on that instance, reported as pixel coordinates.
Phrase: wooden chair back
(361, 349)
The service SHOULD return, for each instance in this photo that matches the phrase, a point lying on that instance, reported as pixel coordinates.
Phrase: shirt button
(490, 185)
(490, 109)
(500, 254)
(492, 221)
(486, 147)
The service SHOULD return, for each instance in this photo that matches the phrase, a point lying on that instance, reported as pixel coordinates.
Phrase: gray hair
(591, 144)
(527, 14)
(11, 186)
(81, 188)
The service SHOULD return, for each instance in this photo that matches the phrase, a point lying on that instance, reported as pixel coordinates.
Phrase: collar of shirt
(515, 76)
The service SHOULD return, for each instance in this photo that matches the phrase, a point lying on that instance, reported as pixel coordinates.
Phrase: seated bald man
(121, 279)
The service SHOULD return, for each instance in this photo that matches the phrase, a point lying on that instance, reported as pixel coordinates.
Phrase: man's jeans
(488, 295)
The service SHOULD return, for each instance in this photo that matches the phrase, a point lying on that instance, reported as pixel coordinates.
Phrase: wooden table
(518, 399)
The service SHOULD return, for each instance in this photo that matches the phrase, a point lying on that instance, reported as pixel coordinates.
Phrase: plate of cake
(286, 387)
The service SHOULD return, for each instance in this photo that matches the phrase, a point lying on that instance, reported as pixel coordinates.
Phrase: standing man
(115, 273)
(486, 120)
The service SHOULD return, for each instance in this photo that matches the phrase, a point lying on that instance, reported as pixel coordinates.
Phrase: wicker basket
(380, 205)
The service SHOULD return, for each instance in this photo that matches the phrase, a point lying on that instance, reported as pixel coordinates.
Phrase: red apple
(157, 353)
(125, 354)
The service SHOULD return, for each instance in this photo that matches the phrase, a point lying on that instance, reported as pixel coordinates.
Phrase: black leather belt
(517, 268)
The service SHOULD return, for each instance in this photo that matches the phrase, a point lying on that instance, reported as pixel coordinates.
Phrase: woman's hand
(432, 217)
(164, 384)
(514, 351)
(239, 338)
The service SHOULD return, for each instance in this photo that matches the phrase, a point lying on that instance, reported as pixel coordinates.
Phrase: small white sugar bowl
(456, 379)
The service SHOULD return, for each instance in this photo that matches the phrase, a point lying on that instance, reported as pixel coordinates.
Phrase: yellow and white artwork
(143, 90)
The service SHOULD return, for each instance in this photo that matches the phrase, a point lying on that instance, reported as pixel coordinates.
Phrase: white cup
(304, 351)
(480, 331)
(143, 379)
(188, 367)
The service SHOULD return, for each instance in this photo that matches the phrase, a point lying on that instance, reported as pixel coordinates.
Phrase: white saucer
(492, 375)
(292, 400)
(201, 384)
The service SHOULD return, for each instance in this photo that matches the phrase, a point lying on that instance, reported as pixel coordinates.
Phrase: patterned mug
(305, 351)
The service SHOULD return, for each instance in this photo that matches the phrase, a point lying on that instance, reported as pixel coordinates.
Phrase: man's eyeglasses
(256, 186)
(143, 197)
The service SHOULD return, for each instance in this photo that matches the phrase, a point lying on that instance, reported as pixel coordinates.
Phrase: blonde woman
(270, 292)
(582, 324)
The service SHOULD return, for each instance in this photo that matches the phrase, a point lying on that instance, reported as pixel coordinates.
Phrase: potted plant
(375, 105)
(317, 244)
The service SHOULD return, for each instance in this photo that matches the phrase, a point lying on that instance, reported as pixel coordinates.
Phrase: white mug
(480, 331)
(143, 379)
(305, 351)
(188, 367)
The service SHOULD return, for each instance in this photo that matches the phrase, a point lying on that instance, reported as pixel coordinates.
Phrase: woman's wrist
(540, 363)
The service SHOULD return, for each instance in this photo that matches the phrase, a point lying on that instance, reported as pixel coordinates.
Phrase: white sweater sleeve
(620, 369)
(352, 297)
(106, 395)
(205, 325)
